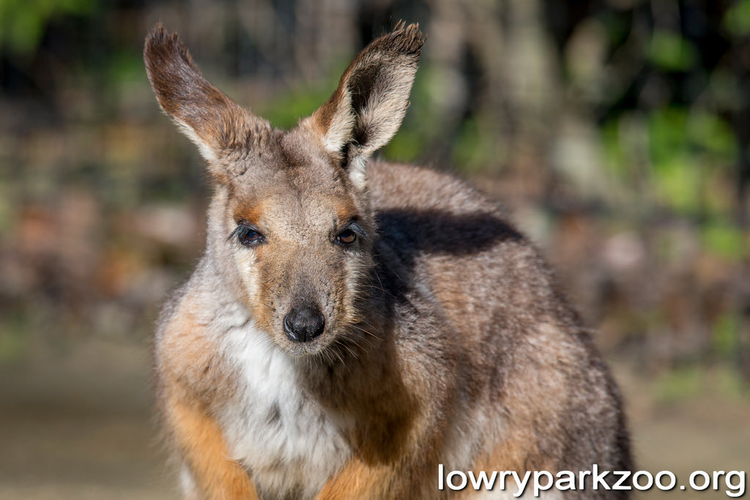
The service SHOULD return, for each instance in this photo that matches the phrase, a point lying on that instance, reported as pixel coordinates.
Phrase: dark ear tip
(157, 36)
(161, 39)
(163, 47)
(407, 39)
(158, 30)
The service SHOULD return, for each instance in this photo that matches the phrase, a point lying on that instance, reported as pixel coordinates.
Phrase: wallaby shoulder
(527, 356)
(462, 245)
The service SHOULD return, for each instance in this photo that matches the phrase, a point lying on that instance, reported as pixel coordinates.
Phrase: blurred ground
(76, 423)
(707, 431)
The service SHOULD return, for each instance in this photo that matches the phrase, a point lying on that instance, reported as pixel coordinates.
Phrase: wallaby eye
(248, 236)
(346, 237)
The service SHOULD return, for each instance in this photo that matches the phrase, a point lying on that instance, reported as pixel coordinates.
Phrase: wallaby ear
(213, 121)
(366, 109)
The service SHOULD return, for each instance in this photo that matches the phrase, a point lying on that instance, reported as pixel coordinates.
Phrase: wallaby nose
(304, 323)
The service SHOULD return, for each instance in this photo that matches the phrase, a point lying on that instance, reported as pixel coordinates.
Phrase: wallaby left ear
(366, 109)
(213, 121)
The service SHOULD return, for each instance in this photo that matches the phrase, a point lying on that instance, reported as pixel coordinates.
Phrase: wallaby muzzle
(304, 323)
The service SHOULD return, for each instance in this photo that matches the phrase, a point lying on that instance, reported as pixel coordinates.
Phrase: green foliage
(711, 134)
(725, 332)
(22, 22)
(405, 146)
(730, 383)
(474, 146)
(679, 384)
(6, 203)
(285, 111)
(676, 131)
(737, 18)
(686, 146)
(677, 183)
(288, 107)
(617, 157)
(13, 339)
(724, 241)
(687, 149)
(666, 132)
(675, 174)
(671, 51)
(617, 28)
(124, 66)
(689, 382)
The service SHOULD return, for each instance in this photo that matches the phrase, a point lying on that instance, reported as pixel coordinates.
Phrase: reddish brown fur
(249, 212)
(193, 364)
(205, 449)
(356, 480)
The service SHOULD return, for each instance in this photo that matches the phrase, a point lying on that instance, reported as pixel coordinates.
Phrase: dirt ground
(76, 423)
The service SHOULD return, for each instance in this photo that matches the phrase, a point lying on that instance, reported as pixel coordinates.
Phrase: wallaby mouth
(304, 324)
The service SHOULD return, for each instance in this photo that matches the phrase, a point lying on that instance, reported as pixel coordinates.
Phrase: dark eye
(248, 236)
(346, 237)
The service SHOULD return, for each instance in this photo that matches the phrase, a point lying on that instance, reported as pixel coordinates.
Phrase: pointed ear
(367, 108)
(213, 121)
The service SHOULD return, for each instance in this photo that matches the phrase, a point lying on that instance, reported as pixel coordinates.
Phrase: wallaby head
(290, 225)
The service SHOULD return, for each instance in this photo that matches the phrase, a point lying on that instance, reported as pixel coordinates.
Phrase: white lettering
(624, 475)
(599, 478)
(538, 487)
(706, 480)
(461, 485)
(565, 483)
(735, 490)
(521, 485)
(643, 487)
(672, 480)
(489, 482)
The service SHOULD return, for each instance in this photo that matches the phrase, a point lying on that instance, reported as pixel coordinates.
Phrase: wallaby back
(353, 325)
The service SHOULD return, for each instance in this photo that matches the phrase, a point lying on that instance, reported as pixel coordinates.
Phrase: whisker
(340, 342)
(379, 288)
(358, 345)
(366, 331)
(340, 356)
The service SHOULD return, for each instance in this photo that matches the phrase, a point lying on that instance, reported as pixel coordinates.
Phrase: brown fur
(356, 480)
(443, 339)
(204, 448)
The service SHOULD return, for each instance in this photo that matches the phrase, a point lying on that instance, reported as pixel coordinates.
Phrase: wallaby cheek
(332, 293)
(348, 287)
(250, 273)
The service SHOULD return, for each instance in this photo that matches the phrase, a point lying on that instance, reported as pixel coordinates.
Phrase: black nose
(304, 323)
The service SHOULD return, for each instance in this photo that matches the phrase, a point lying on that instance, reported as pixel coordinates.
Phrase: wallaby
(355, 326)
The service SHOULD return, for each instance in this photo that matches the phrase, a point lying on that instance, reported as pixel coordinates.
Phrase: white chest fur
(287, 441)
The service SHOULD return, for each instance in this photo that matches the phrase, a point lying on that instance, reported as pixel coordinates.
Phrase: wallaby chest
(286, 440)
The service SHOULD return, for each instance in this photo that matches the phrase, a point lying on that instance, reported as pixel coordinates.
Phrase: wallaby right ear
(206, 115)
(366, 110)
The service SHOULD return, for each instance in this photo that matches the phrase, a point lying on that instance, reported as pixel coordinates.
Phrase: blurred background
(615, 131)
